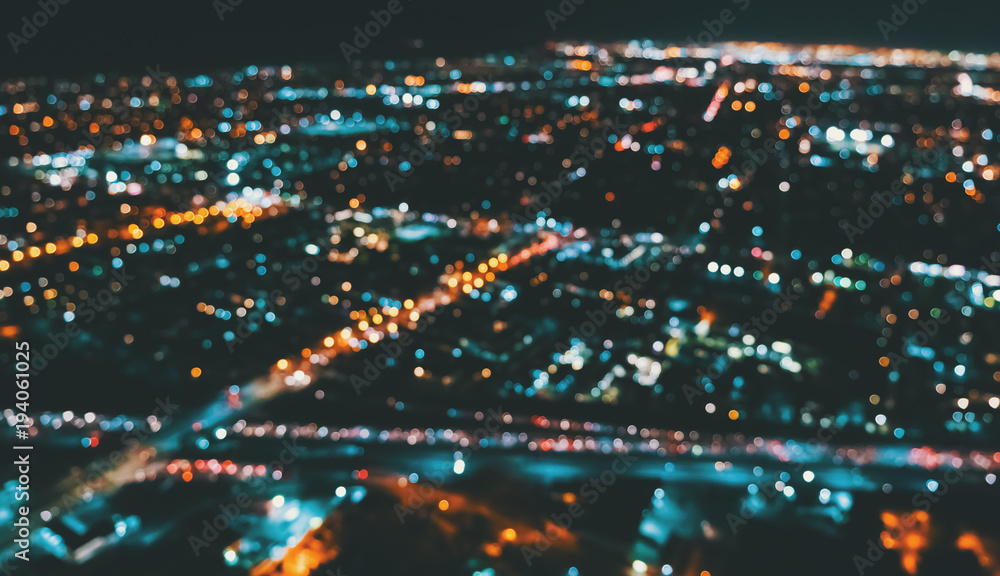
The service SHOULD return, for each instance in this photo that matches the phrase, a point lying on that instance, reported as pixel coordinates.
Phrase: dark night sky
(187, 35)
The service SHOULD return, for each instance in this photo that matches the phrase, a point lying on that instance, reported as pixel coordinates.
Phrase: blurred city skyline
(566, 288)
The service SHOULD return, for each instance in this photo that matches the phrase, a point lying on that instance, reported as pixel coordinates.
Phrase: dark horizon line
(131, 69)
